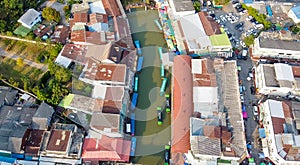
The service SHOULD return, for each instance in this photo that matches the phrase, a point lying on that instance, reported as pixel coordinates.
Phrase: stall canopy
(245, 115)
(244, 108)
(251, 160)
(262, 133)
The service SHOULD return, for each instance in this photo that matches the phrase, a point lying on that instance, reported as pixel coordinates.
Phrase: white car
(255, 110)
(242, 98)
(249, 18)
(242, 44)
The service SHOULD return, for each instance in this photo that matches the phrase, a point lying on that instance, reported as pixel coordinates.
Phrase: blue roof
(269, 10)
(262, 133)
(296, 11)
(248, 1)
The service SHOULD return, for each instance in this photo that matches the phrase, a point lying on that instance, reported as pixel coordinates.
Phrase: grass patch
(9, 69)
(22, 30)
(27, 50)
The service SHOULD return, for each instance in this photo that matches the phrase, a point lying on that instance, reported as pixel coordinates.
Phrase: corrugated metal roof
(183, 105)
(194, 32)
(296, 11)
(276, 108)
(283, 72)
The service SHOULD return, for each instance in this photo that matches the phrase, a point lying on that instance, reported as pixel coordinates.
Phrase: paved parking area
(230, 27)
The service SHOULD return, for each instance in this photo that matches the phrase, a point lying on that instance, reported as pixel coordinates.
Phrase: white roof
(197, 66)
(194, 32)
(64, 61)
(99, 91)
(278, 142)
(29, 16)
(283, 72)
(297, 140)
(97, 7)
(26, 162)
(205, 100)
(287, 138)
(276, 109)
(266, 152)
(205, 94)
(25, 96)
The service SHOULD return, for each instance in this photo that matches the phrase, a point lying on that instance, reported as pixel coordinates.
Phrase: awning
(245, 115)
(249, 146)
(251, 160)
(262, 156)
(262, 133)
(244, 108)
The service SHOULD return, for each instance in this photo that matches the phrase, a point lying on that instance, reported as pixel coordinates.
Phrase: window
(281, 53)
(289, 54)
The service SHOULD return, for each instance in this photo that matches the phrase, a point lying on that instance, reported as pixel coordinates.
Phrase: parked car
(245, 53)
(242, 44)
(242, 98)
(255, 110)
(252, 90)
(249, 18)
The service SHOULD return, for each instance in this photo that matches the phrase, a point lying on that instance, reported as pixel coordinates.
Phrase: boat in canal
(159, 116)
(168, 105)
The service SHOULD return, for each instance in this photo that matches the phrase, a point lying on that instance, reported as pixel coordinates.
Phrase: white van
(255, 110)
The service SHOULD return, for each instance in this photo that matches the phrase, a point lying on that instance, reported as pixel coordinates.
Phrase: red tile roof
(278, 124)
(32, 141)
(105, 72)
(106, 149)
(212, 131)
(183, 104)
(61, 34)
(287, 109)
(75, 52)
(87, 37)
(111, 7)
(95, 18)
(80, 17)
(59, 140)
(209, 25)
(208, 77)
(206, 24)
(296, 71)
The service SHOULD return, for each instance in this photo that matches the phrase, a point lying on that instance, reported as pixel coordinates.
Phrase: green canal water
(151, 138)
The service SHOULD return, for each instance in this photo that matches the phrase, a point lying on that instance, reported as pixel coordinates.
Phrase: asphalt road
(250, 124)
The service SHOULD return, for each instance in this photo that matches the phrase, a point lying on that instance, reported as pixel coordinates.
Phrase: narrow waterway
(151, 138)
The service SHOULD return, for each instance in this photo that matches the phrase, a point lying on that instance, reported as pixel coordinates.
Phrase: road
(20, 39)
(251, 124)
(43, 67)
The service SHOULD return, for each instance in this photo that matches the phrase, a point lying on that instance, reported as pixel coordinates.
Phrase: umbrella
(251, 160)
(262, 163)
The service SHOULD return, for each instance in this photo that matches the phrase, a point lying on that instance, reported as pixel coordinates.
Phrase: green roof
(66, 101)
(22, 30)
(220, 40)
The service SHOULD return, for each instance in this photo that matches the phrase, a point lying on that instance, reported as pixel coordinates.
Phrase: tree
(60, 74)
(249, 40)
(26, 83)
(221, 2)
(51, 14)
(197, 6)
(20, 62)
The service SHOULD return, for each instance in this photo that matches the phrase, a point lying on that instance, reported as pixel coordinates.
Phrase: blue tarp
(132, 123)
(244, 108)
(133, 145)
(262, 133)
(269, 10)
(140, 63)
(134, 101)
(249, 146)
(261, 155)
(248, 1)
(7, 159)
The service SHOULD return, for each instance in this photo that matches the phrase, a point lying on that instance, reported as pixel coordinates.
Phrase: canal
(151, 138)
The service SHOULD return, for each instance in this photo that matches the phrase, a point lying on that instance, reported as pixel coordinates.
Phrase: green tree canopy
(221, 2)
(249, 40)
(51, 14)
